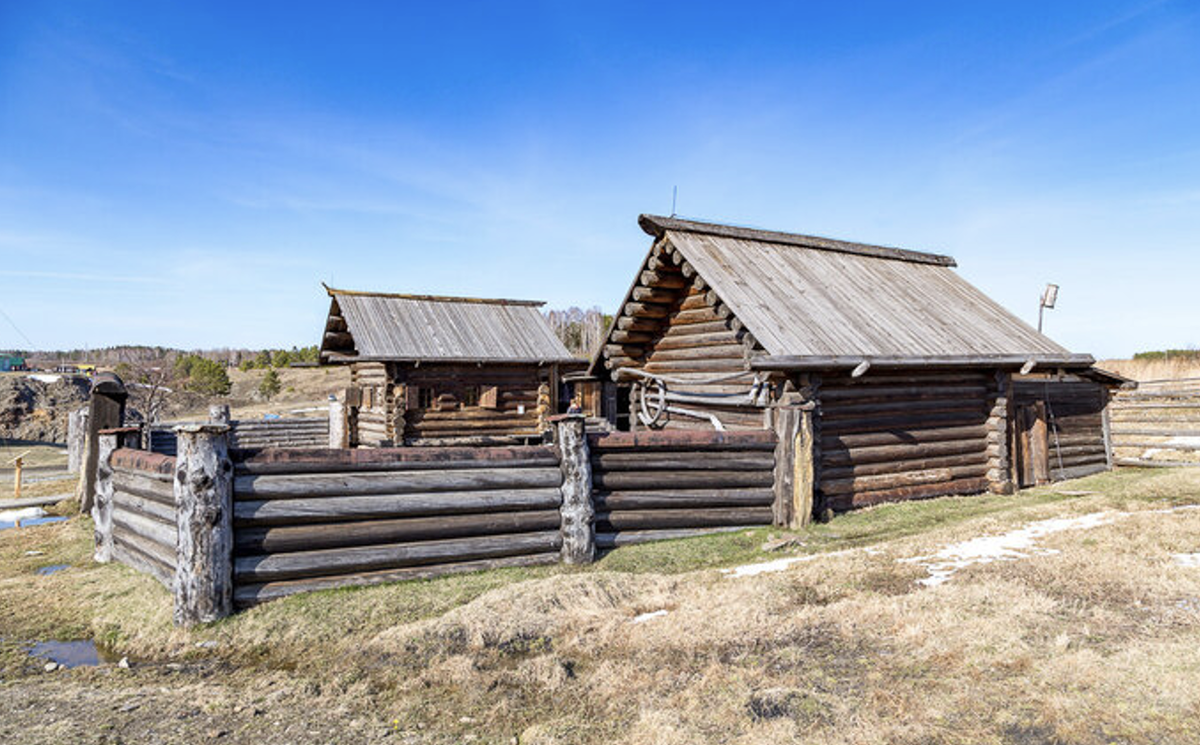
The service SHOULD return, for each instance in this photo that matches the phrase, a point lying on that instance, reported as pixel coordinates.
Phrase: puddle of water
(52, 569)
(70, 654)
(33, 521)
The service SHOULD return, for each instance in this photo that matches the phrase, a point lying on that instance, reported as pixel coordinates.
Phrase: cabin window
(425, 398)
(470, 396)
(489, 397)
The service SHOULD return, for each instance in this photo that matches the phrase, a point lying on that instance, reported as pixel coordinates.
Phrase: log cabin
(430, 370)
(910, 382)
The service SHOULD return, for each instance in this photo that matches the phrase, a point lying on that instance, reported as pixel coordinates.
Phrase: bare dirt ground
(1065, 615)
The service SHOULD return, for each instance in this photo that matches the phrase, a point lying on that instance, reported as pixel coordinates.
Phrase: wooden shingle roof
(804, 297)
(374, 326)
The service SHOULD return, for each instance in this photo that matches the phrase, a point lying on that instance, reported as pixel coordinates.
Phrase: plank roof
(412, 328)
(804, 296)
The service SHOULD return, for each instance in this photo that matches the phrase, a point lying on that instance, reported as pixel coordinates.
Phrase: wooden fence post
(795, 462)
(204, 519)
(218, 414)
(339, 433)
(76, 437)
(578, 514)
(102, 504)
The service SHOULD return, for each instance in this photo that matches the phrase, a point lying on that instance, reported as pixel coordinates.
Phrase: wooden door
(1031, 451)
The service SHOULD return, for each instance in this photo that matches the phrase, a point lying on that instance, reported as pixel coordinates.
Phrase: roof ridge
(334, 292)
(656, 225)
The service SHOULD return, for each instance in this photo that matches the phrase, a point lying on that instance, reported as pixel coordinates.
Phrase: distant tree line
(1190, 355)
(131, 354)
(580, 331)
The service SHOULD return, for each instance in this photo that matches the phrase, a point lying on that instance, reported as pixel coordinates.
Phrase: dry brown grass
(1172, 369)
(1096, 643)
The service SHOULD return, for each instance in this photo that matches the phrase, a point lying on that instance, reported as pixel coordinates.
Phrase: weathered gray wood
(218, 414)
(886, 481)
(324, 509)
(129, 552)
(786, 423)
(904, 465)
(154, 529)
(399, 482)
(850, 500)
(152, 507)
(302, 461)
(378, 531)
(76, 437)
(339, 432)
(578, 533)
(618, 520)
(326, 562)
(681, 461)
(628, 480)
(203, 585)
(608, 442)
(682, 499)
(102, 507)
(246, 595)
(144, 486)
(833, 455)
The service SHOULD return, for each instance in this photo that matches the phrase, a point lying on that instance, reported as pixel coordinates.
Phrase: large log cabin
(911, 382)
(428, 370)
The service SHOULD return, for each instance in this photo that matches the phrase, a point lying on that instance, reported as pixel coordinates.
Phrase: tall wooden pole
(577, 512)
(102, 505)
(204, 519)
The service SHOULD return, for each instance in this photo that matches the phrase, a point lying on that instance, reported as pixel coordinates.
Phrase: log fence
(229, 528)
(246, 434)
(1157, 424)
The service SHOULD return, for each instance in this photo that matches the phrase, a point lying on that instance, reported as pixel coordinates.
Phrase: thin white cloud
(82, 276)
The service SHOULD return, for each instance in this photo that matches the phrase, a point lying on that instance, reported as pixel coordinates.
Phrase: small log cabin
(911, 381)
(429, 370)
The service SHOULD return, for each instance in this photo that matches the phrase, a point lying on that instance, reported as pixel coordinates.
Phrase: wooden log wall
(313, 519)
(374, 421)
(887, 437)
(300, 432)
(677, 326)
(143, 516)
(654, 485)
(1157, 424)
(1075, 423)
(514, 412)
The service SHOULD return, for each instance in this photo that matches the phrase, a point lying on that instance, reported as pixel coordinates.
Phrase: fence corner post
(339, 431)
(577, 512)
(795, 476)
(203, 586)
(76, 437)
(102, 504)
(218, 414)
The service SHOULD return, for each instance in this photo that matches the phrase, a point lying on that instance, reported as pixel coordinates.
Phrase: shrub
(269, 386)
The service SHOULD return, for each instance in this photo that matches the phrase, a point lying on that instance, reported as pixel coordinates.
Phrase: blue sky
(187, 174)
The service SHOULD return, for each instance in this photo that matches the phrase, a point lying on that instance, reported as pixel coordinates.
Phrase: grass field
(1092, 635)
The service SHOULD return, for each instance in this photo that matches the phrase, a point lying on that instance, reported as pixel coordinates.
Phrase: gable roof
(817, 298)
(376, 326)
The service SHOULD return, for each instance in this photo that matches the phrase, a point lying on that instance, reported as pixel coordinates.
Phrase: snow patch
(41, 378)
(778, 565)
(649, 616)
(1015, 544)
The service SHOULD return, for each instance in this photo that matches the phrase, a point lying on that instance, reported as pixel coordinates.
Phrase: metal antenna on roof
(674, 194)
